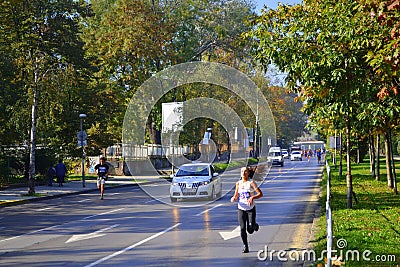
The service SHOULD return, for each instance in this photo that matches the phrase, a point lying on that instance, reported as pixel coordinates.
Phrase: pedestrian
(51, 172)
(244, 191)
(101, 170)
(61, 172)
(319, 154)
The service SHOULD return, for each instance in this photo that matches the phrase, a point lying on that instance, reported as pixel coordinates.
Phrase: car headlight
(205, 182)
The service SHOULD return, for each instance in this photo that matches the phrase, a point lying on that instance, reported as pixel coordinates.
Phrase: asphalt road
(132, 228)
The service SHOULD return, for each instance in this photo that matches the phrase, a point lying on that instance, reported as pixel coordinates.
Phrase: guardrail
(329, 230)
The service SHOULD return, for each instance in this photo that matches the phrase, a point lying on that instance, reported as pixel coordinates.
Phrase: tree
(381, 32)
(312, 43)
(131, 40)
(43, 41)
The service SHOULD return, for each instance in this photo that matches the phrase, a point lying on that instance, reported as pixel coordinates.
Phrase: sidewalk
(19, 195)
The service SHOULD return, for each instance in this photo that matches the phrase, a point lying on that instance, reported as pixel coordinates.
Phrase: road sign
(82, 143)
(82, 136)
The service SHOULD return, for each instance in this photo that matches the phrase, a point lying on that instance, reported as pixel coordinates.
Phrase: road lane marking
(207, 210)
(84, 200)
(55, 226)
(90, 235)
(45, 209)
(108, 212)
(276, 177)
(33, 232)
(229, 235)
(132, 246)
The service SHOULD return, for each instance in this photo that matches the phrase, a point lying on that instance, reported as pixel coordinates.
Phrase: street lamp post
(82, 140)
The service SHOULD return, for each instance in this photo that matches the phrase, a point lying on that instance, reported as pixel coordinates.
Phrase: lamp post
(82, 138)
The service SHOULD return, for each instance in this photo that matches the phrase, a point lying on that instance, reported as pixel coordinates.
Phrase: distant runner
(102, 175)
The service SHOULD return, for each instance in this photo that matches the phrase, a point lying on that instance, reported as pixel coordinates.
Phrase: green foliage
(312, 43)
(72, 57)
(44, 57)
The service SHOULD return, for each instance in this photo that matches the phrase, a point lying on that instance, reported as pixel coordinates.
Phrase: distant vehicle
(296, 155)
(196, 180)
(285, 154)
(275, 156)
(293, 148)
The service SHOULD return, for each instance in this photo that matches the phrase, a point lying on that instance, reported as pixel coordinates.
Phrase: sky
(273, 3)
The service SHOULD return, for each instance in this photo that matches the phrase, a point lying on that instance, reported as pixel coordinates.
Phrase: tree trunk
(393, 166)
(358, 150)
(340, 153)
(349, 180)
(32, 152)
(389, 176)
(371, 155)
(378, 166)
(155, 135)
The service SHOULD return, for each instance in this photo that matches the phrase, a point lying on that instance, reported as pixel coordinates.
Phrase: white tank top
(245, 192)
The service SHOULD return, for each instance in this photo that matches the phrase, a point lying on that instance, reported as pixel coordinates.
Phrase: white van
(275, 156)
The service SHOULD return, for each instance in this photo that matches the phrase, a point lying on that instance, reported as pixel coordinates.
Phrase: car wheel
(219, 194)
(212, 196)
(173, 199)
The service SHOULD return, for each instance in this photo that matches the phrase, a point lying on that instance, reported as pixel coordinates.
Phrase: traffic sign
(82, 136)
(82, 143)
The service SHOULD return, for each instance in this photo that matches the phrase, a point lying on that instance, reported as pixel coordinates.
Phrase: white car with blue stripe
(196, 180)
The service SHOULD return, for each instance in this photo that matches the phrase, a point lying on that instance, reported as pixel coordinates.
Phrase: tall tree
(312, 44)
(132, 39)
(380, 31)
(43, 41)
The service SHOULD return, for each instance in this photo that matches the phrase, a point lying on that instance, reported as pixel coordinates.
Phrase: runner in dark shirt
(102, 175)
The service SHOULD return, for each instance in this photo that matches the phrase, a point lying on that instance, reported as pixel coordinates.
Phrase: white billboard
(172, 116)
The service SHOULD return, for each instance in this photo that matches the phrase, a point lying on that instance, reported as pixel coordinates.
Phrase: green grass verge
(78, 177)
(220, 167)
(372, 226)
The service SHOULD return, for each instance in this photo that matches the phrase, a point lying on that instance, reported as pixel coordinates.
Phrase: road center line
(207, 210)
(132, 246)
(84, 200)
(111, 211)
(45, 209)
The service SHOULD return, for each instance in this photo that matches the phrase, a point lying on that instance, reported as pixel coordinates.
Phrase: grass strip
(369, 233)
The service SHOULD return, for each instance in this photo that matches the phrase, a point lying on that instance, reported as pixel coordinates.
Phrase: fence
(329, 230)
(146, 151)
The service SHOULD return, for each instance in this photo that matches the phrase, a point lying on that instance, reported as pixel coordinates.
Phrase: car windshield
(295, 152)
(193, 170)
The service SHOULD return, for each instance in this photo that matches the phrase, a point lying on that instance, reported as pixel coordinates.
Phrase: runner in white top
(245, 189)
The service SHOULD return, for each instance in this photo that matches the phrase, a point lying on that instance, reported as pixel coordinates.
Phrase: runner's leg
(253, 226)
(242, 218)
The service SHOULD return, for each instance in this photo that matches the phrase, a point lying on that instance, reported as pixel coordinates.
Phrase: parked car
(275, 156)
(296, 155)
(195, 180)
